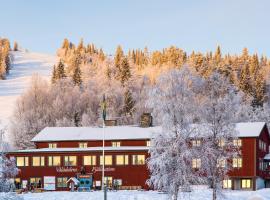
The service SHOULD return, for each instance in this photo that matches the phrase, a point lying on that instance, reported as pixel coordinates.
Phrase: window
(246, 183)
(54, 161)
(148, 143)
(196, 143)
(221, 142)
(108, 180)
(38, 161)
(61, 182)
(52, 145)
(108, 160)
(70, 161)
(227, 184)
(261, 165)
(262, 145)
(221, 162)
(237, 162)
(36, 182)
(196, 163)
(116, 144)
(138, 159)
(237, 142)
(83, 145)
(122, 160)
(22, 161)
(89, 160)
(117, 182)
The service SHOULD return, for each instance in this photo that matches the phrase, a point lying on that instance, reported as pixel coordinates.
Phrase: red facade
(132, 176)
(253, 173)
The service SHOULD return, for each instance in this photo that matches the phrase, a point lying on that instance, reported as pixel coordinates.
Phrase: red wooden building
(63, 152)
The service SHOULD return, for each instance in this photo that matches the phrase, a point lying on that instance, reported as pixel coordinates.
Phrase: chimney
(146, 120)
(110, 122)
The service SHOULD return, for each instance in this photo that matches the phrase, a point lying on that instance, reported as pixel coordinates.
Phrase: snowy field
(200, 194)
(25, 64)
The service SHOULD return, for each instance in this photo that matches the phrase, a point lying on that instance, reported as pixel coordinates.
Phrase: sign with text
(66, 169)
(107, 169)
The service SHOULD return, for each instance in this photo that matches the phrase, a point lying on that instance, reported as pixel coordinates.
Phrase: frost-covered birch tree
(174, 103)
(219, 111)
(8, 167)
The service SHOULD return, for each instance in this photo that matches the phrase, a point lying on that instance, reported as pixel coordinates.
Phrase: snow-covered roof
(244, 129)
(267, 157)
(75, 180)
(89, 149)
(249, 129)
(94, 133)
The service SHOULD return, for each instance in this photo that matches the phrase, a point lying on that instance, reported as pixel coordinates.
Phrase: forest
(85, 73)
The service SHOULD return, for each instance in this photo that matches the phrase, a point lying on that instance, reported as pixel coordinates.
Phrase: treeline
(247, 72)
(5, 59)
(5, 56)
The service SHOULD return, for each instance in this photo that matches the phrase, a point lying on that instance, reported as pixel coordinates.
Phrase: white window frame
(52, 145)
(196, 163)
(237, 162)
(83, 145)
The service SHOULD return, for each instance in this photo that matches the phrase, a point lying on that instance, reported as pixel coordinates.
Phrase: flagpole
(104, 188)
(103, 154)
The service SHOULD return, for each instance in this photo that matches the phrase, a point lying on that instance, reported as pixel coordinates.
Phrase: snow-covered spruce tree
(77, 77)
(60, 70)
(219, 110)
(8, 167)
(173, 100)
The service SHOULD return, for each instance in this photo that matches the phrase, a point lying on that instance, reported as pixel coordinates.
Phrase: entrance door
(108, 181)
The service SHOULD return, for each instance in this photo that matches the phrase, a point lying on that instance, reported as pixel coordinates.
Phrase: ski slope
(24, 65)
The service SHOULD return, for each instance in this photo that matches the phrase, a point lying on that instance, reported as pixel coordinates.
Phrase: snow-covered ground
(199, 194)
(25, 64)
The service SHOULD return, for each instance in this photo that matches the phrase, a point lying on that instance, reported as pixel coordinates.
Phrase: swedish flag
(103, 107)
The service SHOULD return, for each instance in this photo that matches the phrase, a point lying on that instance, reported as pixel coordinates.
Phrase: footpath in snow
(24, 65)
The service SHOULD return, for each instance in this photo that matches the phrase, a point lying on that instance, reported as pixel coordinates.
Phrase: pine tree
(65, 44)
(60, 70)
(129, 104)
(15, 48)
(54, 75)
(77, 79)
(101, 55)
(125, 73)
(80, 47)
(2, 69)
(217, 56)
(118, 60)
(254, 65)
(259, 90)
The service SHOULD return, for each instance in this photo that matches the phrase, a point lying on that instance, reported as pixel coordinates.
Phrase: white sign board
(49, 182)
(24, 184)
(98, 183)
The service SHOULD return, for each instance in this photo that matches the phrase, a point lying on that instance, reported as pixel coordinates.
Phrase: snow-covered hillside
(24, 65)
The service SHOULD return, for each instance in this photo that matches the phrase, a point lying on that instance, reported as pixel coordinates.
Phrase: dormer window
(52, 145)
(196, 143)
(83, 145)
(116, 144)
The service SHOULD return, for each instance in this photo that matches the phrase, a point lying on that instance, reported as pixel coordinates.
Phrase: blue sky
(192, 24)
